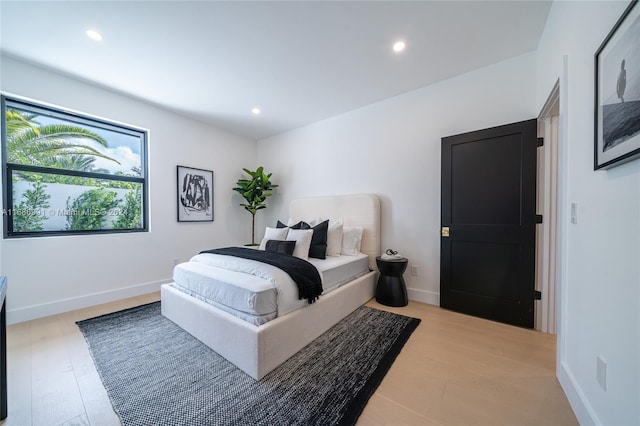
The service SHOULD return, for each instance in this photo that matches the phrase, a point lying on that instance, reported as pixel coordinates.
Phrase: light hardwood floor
(454, 370)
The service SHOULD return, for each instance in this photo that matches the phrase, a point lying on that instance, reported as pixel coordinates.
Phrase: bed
(259, 348)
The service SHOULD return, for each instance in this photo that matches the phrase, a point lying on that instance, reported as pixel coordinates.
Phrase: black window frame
(73, 118)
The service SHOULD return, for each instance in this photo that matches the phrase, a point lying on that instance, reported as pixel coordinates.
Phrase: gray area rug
(157, 374)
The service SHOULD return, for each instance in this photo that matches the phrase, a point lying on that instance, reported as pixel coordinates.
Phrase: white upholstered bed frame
(259, 349)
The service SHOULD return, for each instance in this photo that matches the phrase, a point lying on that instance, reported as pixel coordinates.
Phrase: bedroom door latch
(445, 231)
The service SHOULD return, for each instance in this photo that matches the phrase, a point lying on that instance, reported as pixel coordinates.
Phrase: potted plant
(255, 190)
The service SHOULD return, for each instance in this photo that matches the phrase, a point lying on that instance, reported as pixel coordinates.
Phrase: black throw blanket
(303, 273)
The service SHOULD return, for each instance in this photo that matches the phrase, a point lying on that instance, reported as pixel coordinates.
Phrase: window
(65, 173)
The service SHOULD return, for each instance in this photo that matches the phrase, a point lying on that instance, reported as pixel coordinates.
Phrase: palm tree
(81, 162)
(30, 143)
(57, 146)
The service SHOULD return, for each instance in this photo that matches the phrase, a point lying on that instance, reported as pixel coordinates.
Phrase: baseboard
(577, 399)
(59, 306)
(424, 296)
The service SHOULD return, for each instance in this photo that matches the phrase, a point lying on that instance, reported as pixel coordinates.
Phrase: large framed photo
(617, 92)
(195, 195)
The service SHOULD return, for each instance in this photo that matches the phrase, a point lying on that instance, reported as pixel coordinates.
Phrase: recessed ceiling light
(399, 46)
(94, 35)
(256, 111)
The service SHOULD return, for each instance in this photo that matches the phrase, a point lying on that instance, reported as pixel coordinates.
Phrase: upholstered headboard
(355, 210)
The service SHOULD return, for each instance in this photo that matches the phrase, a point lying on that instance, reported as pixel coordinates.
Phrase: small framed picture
(195, 195)
(617, 92)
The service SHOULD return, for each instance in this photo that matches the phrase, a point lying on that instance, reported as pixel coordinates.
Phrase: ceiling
(299, 62)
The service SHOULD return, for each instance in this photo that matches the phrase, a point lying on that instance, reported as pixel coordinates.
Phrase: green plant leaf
(255, 191)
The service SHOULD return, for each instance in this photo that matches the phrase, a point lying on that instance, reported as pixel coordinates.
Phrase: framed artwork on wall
(617, 92)
(195, 195)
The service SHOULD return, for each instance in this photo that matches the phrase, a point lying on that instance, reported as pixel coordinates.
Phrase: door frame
(547, 205)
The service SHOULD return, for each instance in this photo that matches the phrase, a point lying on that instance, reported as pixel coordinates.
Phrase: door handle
(445, 231)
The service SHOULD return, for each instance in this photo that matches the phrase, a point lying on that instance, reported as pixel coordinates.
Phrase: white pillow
(351, 239)
(334, 237)
(302, 237)
(273, 234)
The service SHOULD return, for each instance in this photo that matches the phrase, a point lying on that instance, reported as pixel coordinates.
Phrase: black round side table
(391, 289)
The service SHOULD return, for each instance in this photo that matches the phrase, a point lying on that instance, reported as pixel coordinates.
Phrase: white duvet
(248, 286)
(276, 276)
(255, 291)
(285, 288)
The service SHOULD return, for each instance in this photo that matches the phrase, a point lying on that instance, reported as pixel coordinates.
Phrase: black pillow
(298, 225)
(278, 246)
(318, 248)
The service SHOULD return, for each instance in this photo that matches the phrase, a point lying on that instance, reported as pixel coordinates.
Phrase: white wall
(392, 148)
(600, 299)
(55, 274)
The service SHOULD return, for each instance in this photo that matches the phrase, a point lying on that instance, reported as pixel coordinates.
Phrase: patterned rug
(157, 374)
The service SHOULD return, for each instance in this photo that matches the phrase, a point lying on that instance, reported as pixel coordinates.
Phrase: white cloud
(123, 154)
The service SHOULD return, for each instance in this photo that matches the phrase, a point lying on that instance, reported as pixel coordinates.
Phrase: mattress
(257, 292)
(339, 270)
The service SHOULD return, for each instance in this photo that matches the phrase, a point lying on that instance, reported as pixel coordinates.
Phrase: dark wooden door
(487, 260)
